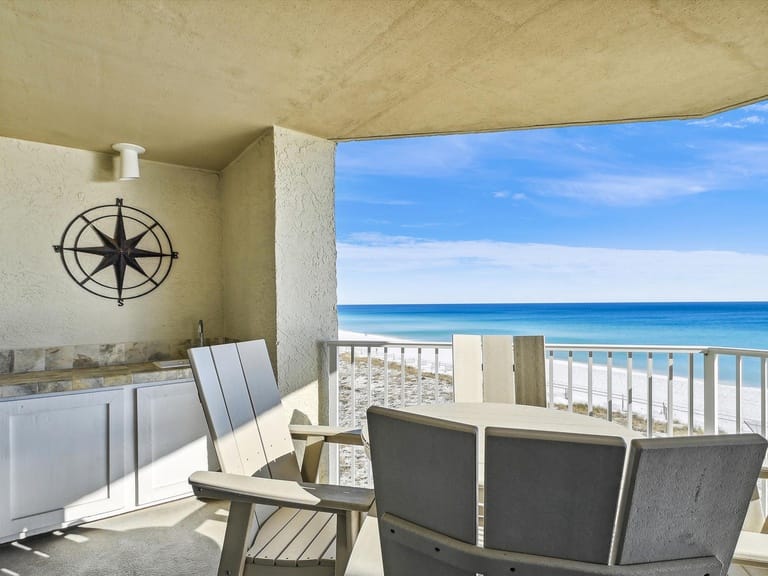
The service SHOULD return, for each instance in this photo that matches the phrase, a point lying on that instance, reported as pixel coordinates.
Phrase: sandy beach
(680, 396)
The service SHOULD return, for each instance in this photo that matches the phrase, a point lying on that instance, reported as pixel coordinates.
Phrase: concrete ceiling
(194, 81)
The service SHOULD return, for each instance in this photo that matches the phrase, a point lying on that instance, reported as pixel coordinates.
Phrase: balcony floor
(181, 537)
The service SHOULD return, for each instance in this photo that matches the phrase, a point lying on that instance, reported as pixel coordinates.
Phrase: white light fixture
(129, 160)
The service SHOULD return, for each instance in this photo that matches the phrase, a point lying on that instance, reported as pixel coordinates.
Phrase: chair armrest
(751, 549)
(330, 434)
(249, 489)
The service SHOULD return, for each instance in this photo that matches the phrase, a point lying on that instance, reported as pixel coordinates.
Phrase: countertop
(50, 381)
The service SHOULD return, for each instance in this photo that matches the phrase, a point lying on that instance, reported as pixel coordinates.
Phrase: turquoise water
(730, 324)
(726, 324)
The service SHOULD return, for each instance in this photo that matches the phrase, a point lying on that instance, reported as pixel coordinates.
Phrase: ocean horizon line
(633, 302)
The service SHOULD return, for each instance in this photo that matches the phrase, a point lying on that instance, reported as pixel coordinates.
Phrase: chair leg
(347, 527)
(236, 539)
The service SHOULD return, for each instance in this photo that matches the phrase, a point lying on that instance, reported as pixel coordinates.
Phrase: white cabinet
(170, 442)
(61, 459)
(71, 457)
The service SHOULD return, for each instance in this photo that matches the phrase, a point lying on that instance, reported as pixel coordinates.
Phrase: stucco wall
(257, 253)
(305, 256)
(248, 208)
(42, 188)
(280, 257)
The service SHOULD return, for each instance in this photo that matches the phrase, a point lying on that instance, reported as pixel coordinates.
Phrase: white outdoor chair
(499, 368)
(280, 522)
(551, 502)
(751, 555)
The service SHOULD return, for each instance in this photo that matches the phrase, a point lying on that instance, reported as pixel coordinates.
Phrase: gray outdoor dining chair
(280, 522)
(552, 502)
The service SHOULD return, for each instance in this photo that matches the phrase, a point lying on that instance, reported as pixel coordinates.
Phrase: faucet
(200, 333)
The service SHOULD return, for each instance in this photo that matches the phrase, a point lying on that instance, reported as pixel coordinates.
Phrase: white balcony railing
(657, 390)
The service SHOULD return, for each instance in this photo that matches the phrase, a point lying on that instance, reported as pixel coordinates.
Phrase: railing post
(710, 392)
(332, 378)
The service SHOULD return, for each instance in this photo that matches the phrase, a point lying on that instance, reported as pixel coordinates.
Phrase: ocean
(727, 324)
(695, 324)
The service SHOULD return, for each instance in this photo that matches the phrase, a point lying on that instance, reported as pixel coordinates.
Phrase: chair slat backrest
(467, 368)
(530, 374)
(270, 414)
(425, 470)
(552, 494)
(499, 368)
(247, 422)
(687, 497)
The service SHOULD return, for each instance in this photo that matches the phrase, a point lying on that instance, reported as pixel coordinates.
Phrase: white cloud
(371, 200)
(380, 269)
(739, 160)
(718, 122)
(624, 189)
(429, 156)
(446, 156)
(517, 196)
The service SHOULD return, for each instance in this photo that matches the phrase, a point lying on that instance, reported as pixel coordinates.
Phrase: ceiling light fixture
(129, 160)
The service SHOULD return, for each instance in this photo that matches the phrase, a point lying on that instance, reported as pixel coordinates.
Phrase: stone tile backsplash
(29, 360)
(94, 355)
(59, 358)
(6, 361)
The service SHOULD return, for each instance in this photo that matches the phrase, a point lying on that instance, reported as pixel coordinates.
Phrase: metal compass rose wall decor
(131, 261)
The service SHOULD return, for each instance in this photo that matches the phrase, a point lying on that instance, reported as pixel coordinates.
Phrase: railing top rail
(388, 344)
(628, 348)
(739, 351)
(753, 352)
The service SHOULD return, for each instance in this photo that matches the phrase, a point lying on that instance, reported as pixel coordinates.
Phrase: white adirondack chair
(751, 555)
(280, 522)
(499, 368)
(551, 502)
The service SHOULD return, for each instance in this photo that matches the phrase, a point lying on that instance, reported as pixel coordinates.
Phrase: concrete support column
(279, 256)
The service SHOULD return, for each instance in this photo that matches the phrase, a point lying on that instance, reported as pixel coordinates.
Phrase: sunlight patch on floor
(77, 538)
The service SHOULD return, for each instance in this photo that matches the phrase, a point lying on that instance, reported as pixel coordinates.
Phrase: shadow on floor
(181, 537)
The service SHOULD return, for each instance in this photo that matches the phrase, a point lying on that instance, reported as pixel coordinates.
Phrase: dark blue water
(728, 324)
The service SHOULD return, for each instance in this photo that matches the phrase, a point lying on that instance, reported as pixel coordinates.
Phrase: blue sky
(655, 211)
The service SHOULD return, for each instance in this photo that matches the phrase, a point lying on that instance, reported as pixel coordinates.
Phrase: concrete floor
(181, 537)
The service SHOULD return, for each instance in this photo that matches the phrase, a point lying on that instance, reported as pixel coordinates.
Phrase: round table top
(489, 414)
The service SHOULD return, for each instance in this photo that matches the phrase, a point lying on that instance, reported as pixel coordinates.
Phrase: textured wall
(42, 188)
(305, 262)
(280, 256)
(257, 252)
(248, 207)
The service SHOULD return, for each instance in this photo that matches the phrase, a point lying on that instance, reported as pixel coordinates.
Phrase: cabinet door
(171, 441)
(61, 460)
